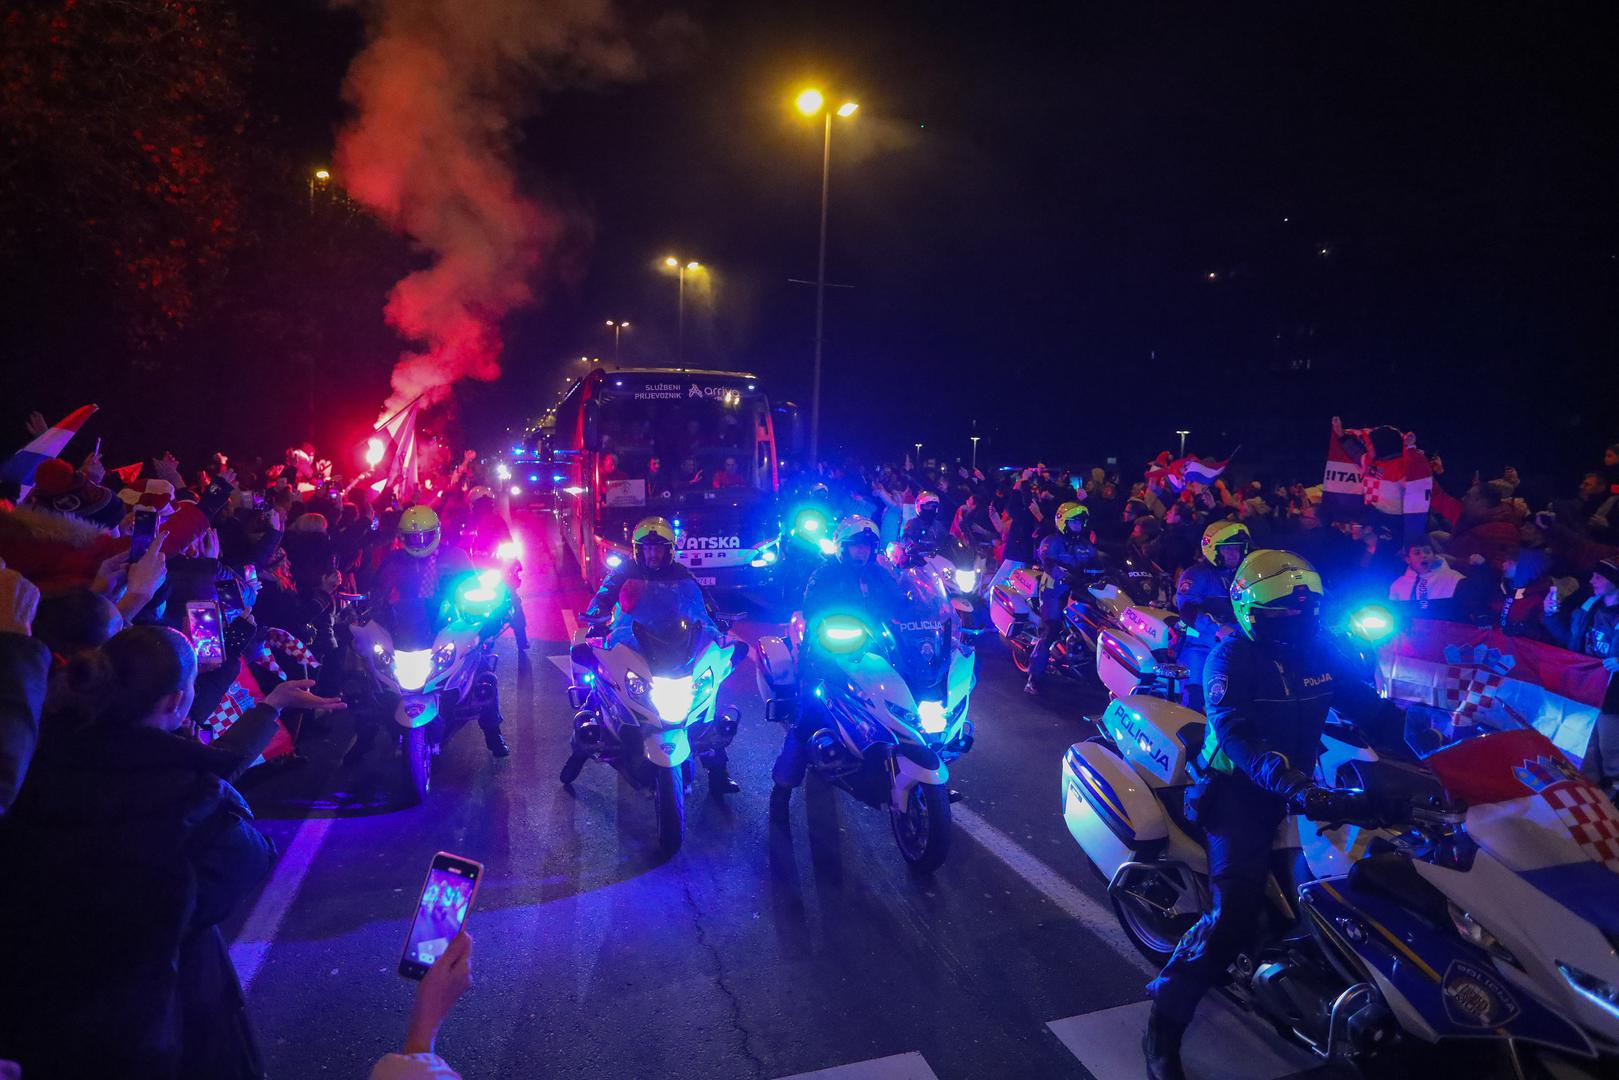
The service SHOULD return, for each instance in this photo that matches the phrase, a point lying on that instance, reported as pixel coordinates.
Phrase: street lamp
(975, 439)
(918, 455)
(811, 102)
(680, 267)
(1183, 435)
(618, 326)
(317, 178)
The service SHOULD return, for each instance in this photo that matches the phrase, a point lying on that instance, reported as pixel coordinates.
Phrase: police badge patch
(1214, 692)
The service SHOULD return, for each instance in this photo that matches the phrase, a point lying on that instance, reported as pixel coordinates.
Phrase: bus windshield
(665, 450)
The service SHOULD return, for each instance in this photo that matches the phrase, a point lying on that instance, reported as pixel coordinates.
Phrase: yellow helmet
(1221, 534)
(649, 533)
(1070, 511)
(419, 531)
(1269, 589)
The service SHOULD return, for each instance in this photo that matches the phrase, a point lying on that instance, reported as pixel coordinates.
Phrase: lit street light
(809, 103)
(918, 455)
(1183, 435)
(318, 178)
(975, 439)
(680, 269)
(618, 326)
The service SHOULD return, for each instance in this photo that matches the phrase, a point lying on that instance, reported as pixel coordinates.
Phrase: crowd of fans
(122, 740)
(1541, 565)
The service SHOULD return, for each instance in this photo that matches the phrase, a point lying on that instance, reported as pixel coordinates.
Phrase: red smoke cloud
(437, 91)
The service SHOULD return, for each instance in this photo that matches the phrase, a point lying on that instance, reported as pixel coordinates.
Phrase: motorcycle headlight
(702, 684)
(508, 550)
(635, 684)
(672, 697)
(841, 634)
(966, 580)
(828, 546)
(1598, 991)
(1475, 933)
(932, 716)
(443, 657)
(412, 669)
(503, 471)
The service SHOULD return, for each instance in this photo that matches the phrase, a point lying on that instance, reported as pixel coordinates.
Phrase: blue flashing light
(1372, 623)
(589, 677)
(675, 523)
(534, 478)
(557, 478)
(518, 449)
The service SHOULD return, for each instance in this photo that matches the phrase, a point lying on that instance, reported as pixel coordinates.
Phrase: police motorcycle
(429, 687)
(647, 696)
(895, 709)
(1013, 612)
(957, 567)
(1454, 915)
(504, 556)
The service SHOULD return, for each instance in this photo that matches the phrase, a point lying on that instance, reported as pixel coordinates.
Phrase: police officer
(928, 528)
(1203, 599)
(652, 544)
(1062, 557)
(1268, 690)
(854, 581)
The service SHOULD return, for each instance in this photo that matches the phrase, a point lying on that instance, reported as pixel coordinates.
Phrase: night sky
(1085, 229)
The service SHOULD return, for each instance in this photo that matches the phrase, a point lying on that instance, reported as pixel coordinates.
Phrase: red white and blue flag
(21, 466)
(1182, 471)
(1486, 680)
(1531, 809)
(1399, 487)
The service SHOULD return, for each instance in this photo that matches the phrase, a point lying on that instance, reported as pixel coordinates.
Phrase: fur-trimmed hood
(55, 551)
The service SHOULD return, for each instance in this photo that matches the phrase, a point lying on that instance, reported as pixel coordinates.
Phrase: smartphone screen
(145, 529)
(215, 498)
(441, 911)
(206, 638)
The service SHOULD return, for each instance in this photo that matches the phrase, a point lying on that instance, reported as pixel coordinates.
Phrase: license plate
(705, 581)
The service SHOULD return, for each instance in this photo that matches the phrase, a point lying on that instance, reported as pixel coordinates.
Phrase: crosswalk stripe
(911, 1066)
(1223, 1042)
(1096, 918)
(252, 944)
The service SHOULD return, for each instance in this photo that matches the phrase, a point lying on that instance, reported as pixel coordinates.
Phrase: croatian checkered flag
(1471, 690)
(277, 640)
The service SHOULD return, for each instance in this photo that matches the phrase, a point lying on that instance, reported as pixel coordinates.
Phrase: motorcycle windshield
(922, 630)
(668, 622)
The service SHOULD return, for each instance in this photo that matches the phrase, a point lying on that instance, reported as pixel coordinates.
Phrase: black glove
(1332, 804)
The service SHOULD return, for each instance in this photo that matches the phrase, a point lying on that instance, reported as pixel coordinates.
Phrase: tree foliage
(120, 121)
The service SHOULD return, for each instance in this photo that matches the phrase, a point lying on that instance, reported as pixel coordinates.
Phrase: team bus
(696, 447)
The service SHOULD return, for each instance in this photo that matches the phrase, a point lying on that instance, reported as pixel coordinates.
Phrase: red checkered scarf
(277, 640)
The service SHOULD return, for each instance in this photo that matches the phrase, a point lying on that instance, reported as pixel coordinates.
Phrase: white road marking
(911, 1066)
(1223, 1042)
(1095, 917)
(564, 664)
(258, 933)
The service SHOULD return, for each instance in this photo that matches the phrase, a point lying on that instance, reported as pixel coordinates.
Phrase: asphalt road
(750, 954)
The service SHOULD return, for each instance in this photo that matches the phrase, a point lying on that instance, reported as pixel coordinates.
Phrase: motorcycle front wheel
(923, 828)
(415, 767)
(669, 799)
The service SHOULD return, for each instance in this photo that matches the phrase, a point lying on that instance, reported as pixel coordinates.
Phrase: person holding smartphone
(131, 847)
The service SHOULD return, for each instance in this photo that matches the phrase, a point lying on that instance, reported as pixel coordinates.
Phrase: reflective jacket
(1061, 559)
(1267, 708)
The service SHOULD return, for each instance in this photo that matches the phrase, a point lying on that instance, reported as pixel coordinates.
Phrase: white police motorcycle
(887, 711)
(432, 686)
(646, 696)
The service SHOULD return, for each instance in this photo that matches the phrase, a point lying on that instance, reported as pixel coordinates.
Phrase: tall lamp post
(1183, 435)
(680, 267)
(617, 326)
(975, 439)
(810, 103)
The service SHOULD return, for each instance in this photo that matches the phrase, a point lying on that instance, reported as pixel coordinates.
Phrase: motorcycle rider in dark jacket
(853, 582)
(1062, 557)
(653, 547)
(928, 528)
(1203, 599)
(1268, 690)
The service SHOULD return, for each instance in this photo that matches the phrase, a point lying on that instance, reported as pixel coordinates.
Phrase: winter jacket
(24, 665)
(135, 849)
